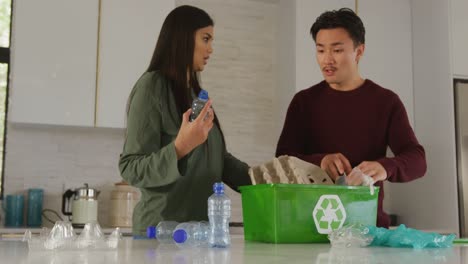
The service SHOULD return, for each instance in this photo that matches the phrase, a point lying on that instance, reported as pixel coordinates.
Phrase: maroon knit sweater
(360, 124)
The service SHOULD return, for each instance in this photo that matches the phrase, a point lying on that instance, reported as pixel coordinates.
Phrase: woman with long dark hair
(172, 161)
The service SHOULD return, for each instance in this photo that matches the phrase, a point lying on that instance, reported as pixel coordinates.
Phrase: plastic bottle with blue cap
(198, 104)
(162, 232)
(191, 234)
(219, 213)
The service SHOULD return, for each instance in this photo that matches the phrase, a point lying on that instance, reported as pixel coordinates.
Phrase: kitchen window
(5, 28)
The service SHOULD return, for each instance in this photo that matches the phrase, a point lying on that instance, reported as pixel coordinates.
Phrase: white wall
(286, 50)
(388, 59)
(388, 55)
(459, 24)
(431, 203)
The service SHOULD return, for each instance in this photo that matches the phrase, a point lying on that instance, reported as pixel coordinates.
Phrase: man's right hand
(335, 165)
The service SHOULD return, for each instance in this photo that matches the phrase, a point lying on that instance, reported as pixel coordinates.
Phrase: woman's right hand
(192, 134)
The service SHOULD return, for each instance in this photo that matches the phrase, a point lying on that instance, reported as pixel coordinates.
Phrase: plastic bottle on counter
(163, 231)
(219, 213)
(191, 234)
(198, 104)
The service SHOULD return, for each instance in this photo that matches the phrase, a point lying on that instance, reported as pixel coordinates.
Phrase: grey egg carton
(288, 169)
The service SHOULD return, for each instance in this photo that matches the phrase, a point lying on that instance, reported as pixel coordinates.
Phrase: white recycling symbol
(329, 213)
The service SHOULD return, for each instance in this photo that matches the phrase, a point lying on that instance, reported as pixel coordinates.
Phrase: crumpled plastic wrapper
(409, 238)
(63, 237)
(358, 235)
(288, 169)
(366, 179)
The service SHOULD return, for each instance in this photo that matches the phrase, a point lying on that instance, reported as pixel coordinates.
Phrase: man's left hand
(371, 168)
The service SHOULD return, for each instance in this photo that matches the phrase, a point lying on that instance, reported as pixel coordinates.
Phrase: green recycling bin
(304, 213)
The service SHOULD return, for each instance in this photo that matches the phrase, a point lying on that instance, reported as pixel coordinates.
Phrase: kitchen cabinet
(75, 63)
(459, 27)
(53, 62)
(128, 35)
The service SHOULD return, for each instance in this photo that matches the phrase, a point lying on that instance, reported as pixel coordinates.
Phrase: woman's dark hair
(343, 18)
(173, 55)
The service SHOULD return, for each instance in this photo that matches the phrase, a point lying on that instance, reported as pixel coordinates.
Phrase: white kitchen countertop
(12, 232)
(150, 251)
(7, 231)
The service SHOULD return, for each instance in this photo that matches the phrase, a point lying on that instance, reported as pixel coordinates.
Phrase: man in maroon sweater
(347, 121)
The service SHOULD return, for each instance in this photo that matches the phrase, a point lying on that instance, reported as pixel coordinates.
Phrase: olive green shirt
(171, 189)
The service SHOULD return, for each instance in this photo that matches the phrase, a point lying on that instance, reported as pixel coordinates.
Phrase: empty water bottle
(219, 212)
(162, 232)
(191, 234)
(198, 104)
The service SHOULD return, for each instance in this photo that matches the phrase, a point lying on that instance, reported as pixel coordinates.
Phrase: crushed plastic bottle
(351, 236)
(219, 213)
(198, 104)
(191, 234)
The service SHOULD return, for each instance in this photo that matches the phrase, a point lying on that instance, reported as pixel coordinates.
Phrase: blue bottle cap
(179, 236)
(151, 232)
(218, 188)
(203, 95)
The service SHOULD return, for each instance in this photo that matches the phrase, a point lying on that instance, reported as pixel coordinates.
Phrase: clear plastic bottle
(162, 232)
(198, 104)
(219, 213)
(191, 234)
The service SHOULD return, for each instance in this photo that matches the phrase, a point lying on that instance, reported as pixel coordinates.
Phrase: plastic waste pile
(63, 237)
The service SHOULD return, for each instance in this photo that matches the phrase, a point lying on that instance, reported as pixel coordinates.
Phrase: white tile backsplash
(57, 158)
